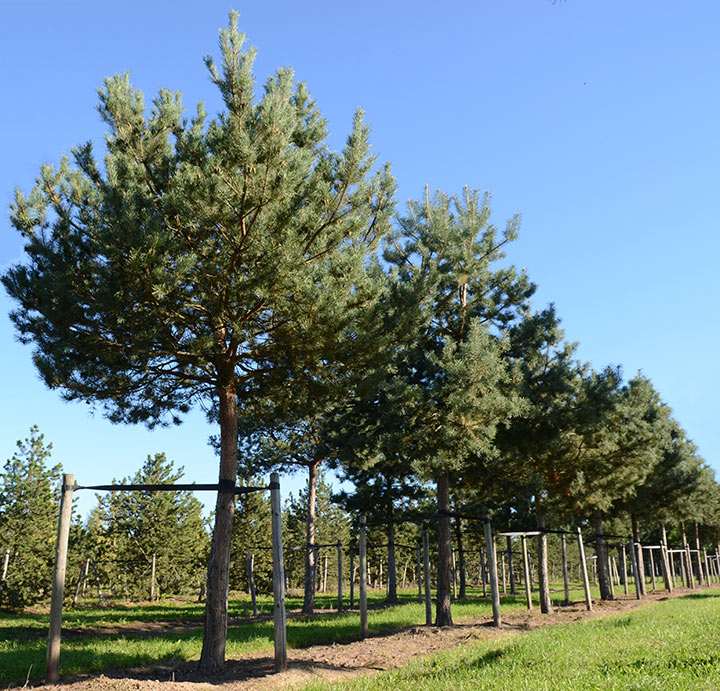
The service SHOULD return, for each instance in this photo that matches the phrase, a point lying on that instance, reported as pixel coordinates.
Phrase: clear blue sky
(597, 121)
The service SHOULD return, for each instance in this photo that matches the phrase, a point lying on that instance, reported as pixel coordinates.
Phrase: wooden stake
(152, 578)
(526, 571)
(583, 567)
(510, 565)
(52, 663)
(279, 615)
(652, 570)
(419, 573)
(250, 566)
(426, 575)
(352, 577)
(363, 580)
(492, 564)
(339, 577)
(566, 580)
(504, 581)
(636, 575)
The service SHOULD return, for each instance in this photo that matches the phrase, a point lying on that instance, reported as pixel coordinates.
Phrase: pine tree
(451, 383)
(205, 261)
(29, 495)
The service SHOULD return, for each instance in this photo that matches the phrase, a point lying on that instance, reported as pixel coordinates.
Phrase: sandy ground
(337, 661)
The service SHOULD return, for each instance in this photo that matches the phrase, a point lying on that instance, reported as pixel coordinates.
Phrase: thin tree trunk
(602, 564)
(543, 582)
(510, 565)
(310, 553)
(212, 657)
(701, 577)
(443, 616)
(461, 559)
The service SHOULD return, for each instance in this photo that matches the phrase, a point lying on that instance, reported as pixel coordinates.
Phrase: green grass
(23, 637)
(673, 644)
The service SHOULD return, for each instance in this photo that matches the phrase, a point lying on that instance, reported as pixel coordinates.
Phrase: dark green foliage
(29, 495)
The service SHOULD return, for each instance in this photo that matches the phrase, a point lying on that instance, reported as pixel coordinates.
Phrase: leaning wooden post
(483, 572)
(583, 568)
(526, 570)
(426, 575)
(566, 580)
(6, 561)
(339, 577)
(279, 615)
(636, 573)
(419, 573)
(363, 579)
(52, 663)
(504, 578)
(492, 564)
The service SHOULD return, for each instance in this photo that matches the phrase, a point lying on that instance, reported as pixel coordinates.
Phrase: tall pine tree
(206, 260)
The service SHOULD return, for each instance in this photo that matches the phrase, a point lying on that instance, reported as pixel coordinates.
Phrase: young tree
(29, 494)
(450, 382)
(205, 261)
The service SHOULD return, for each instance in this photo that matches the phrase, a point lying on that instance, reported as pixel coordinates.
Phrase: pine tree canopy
(201, 249)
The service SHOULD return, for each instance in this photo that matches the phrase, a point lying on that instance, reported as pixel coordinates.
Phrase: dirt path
(340, 661)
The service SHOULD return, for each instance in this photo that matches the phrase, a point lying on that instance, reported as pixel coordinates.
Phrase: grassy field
(670, 645)
(674, 644)
(23, 637)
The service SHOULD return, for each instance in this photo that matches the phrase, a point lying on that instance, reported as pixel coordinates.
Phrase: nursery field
(671, 643)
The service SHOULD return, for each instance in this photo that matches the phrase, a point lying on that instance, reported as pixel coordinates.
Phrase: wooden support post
(707, 567)
(526, 572)
(352, 577)
(652, 570)
(419, 573)
(625, 569)
(52, 663)
(610, 575)
(667, 578)
(152, 578)
(583, 568)
(339, 577)
(250, 566)
(510, 565)
(80, 581)
(566, 580)
(279, 614)
(504, 580)
(363, 579)
(454, 576)
(6, 561)
(636, 573)
(324, 585)
(426, 575)
(492, 564)
(483, 574)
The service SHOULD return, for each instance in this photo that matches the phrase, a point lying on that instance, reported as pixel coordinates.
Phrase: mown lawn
(674, 644)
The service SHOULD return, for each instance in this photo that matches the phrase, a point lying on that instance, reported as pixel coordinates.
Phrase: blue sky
(597, 121)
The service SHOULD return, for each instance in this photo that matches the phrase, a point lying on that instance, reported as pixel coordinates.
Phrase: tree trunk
(602, 563)
(543, 581)
(310, 553)
(511, 567)
(461, 559)
(443, 617)
(212, 657)
(639, 552)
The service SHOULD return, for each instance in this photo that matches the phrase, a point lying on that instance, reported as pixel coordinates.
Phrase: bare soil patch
(337, 661)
